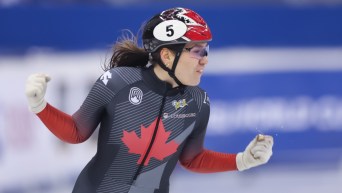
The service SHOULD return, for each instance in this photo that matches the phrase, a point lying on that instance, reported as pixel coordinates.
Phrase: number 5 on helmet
(175, 26)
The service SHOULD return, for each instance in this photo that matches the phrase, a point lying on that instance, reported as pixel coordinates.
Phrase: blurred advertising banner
(292, 94)
(300, 108)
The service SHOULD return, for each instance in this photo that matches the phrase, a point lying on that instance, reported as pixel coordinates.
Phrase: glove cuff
(240, 163)
(38, 107)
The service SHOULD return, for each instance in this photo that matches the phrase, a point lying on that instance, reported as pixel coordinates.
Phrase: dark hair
(126, 52)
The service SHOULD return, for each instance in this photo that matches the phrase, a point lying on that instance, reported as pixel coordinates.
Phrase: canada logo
(160, 149)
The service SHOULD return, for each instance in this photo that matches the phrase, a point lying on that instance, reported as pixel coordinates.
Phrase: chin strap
(172, 71)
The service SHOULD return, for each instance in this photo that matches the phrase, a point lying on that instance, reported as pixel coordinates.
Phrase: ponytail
(126, 52)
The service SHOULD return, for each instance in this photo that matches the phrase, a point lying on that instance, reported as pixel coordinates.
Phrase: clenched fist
(35, 91)
(258, 152)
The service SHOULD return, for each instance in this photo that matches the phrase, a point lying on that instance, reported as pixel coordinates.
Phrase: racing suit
(146, 127)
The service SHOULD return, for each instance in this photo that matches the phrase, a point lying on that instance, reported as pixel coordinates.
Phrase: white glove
(258, 152)
(35, 91)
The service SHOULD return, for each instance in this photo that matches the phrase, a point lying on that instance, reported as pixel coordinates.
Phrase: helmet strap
(172, 71)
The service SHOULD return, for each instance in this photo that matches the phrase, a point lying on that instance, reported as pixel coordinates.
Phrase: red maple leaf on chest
(159, 150)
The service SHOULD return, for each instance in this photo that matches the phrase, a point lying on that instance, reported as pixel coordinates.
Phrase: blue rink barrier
(97, 27)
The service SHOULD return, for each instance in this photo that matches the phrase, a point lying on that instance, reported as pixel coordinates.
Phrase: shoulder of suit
(199, 95)
(119, 77)
(127, 74)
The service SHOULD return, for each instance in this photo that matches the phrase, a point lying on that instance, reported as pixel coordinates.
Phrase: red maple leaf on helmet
(160, 148)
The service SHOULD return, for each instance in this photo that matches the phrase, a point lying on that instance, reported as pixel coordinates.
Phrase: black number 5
(169, 30)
